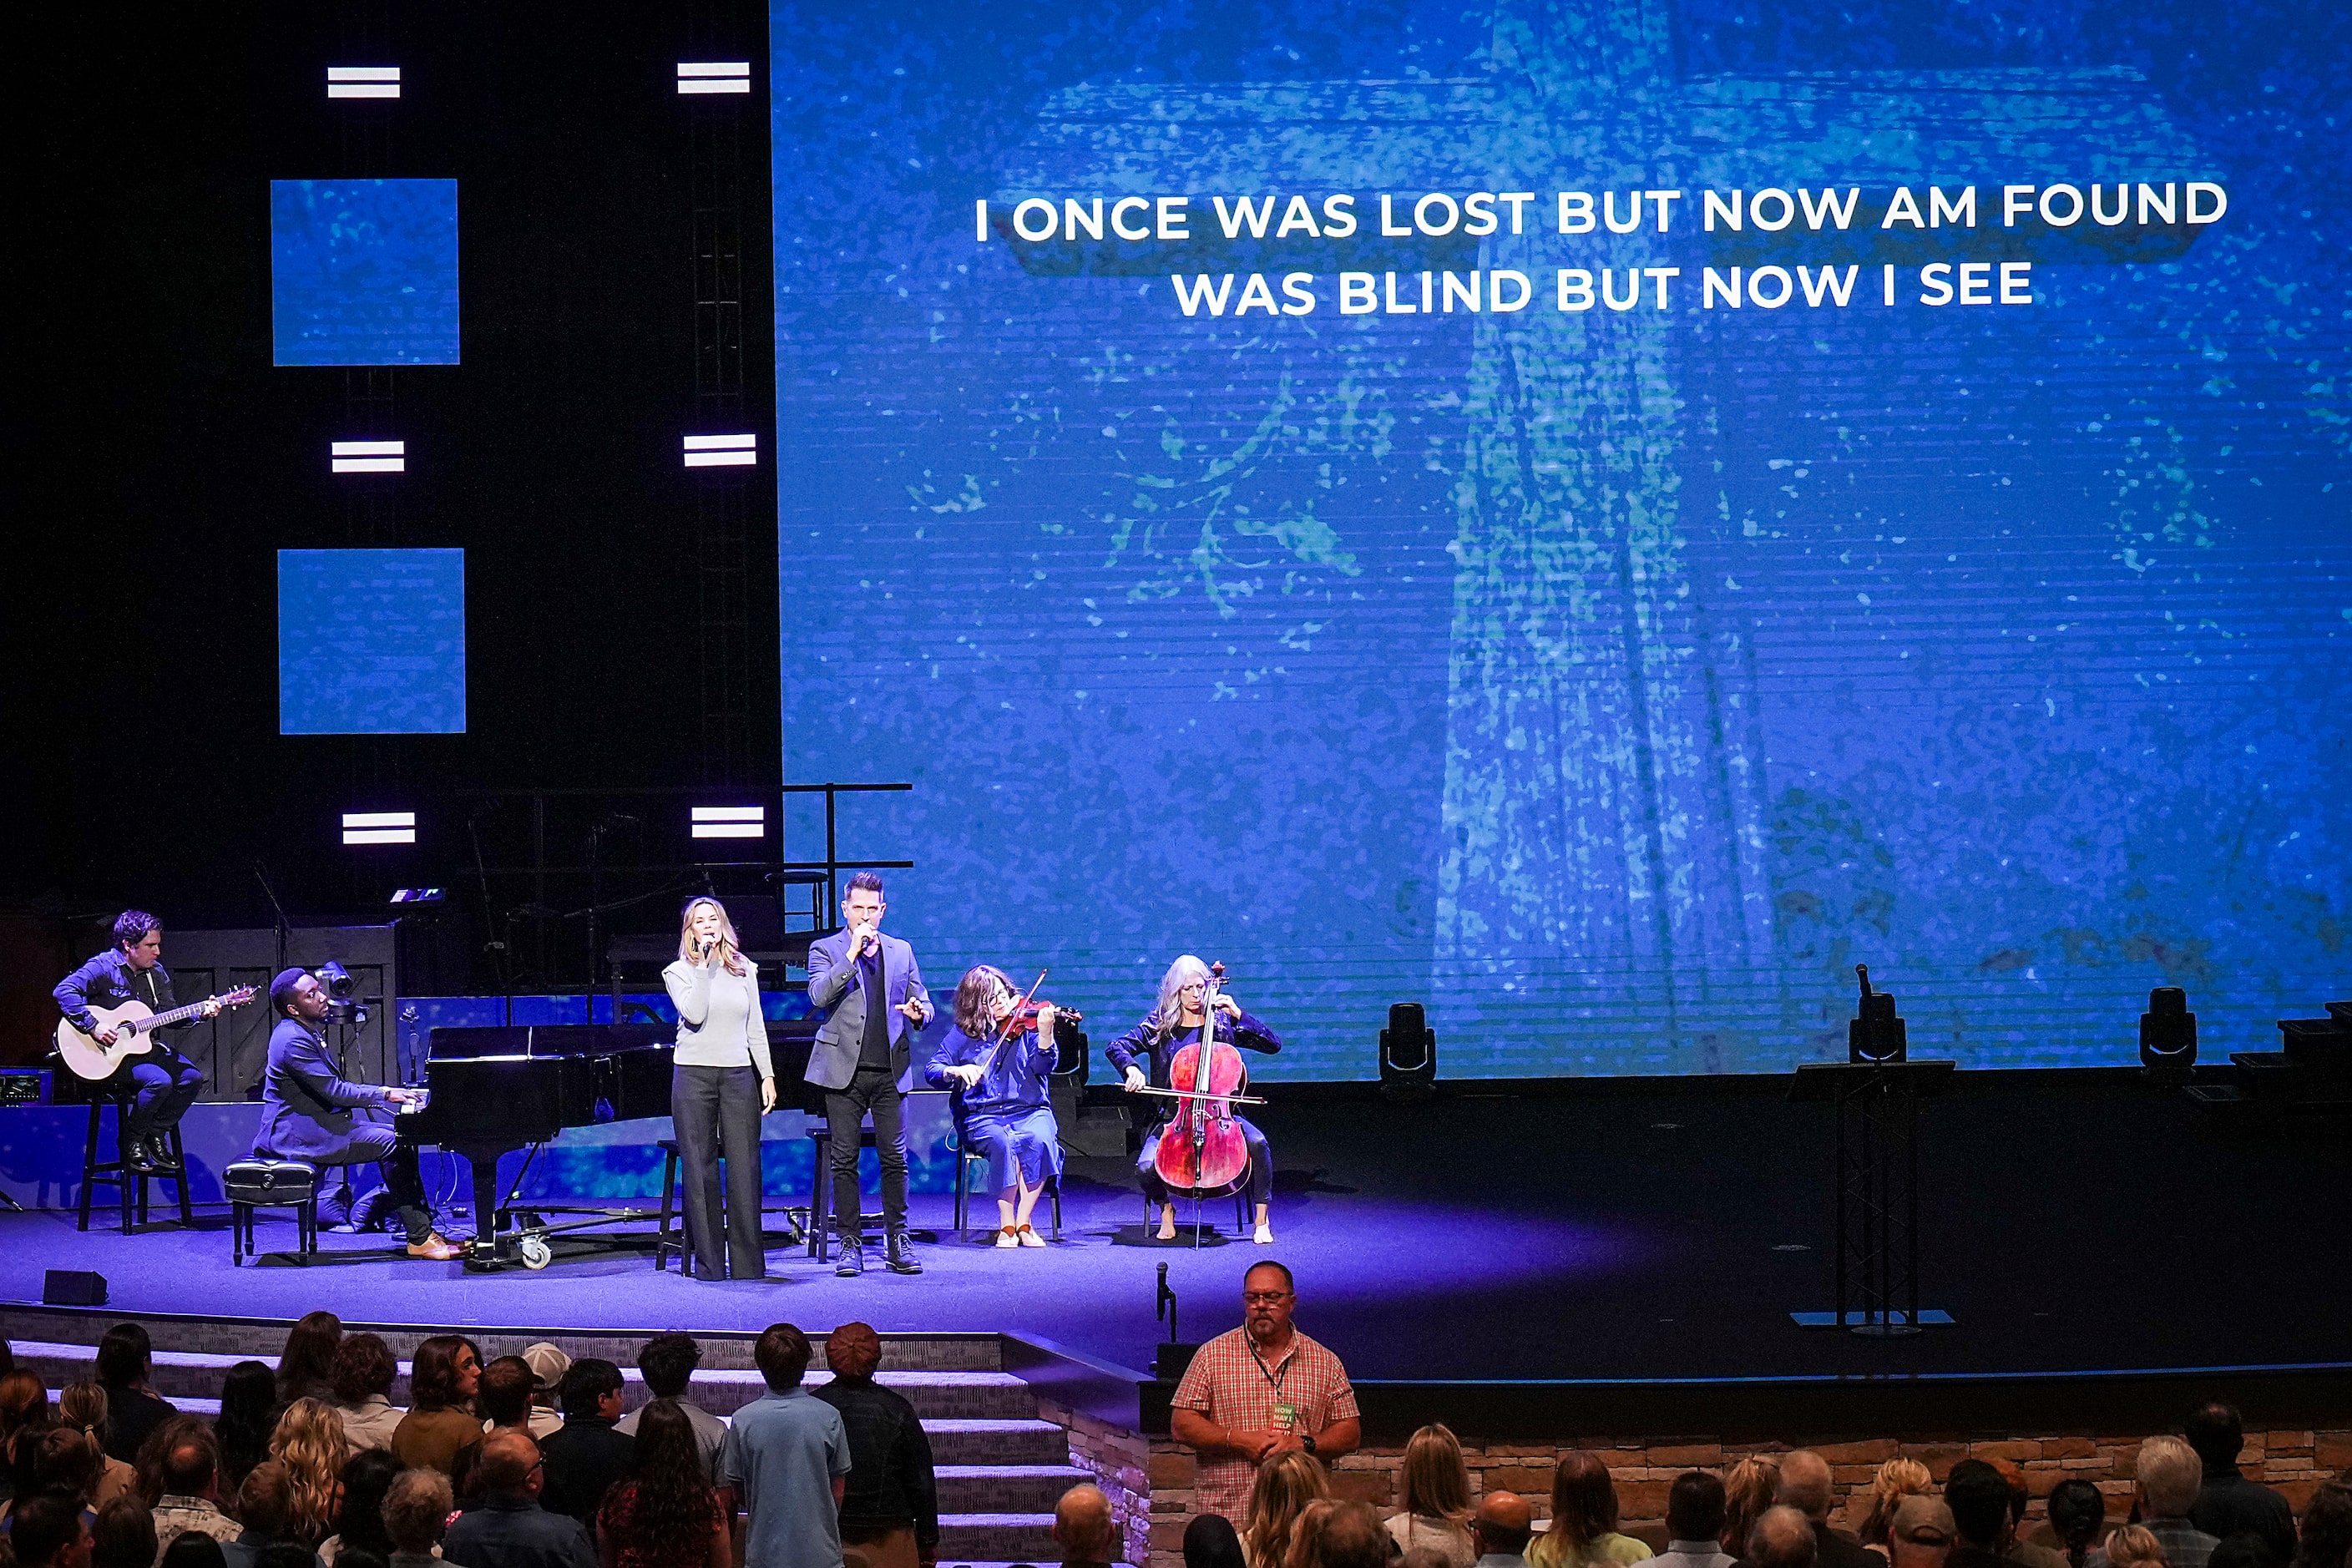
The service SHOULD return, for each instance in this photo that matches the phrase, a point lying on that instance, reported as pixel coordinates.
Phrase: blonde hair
(1307, 1532)
(1435, 1482)
(1897, 1478)
(1167, 1014)
(1285, 1485)
(308, 1442)
(1748, 1488)
(2169, 1474)
(729, 951)
(82, 1406)
(2135, 1546)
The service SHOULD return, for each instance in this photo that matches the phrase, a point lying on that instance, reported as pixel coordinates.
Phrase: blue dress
(1006, 1116)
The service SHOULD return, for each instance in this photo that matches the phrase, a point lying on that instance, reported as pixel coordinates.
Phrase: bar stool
(129, 1182)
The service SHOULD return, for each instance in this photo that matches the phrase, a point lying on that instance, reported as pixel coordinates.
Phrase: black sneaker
(898, 1255)
(853, 1259)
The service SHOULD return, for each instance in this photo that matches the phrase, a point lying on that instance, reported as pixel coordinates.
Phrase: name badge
(1285, 1415)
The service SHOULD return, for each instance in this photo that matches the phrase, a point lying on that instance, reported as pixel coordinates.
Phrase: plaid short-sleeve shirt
(1231, 1386)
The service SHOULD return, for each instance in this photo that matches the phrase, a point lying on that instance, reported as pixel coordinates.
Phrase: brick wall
(2294, 1462)
(1121, 1462)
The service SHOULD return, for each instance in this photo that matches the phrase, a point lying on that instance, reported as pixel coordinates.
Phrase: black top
(108, 980)
(131, 1416)
(890, 1477)
(2229, 1503)
(1831, 1550)
(583, 1456)
(874, 1046)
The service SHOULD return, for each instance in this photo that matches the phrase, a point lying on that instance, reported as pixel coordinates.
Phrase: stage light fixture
(2168, 1031)
(1408, 1054)
(379, 827)
(714, 75)
(368, 457)
(362, 81)
(729, 821)
(1875, 1034)
(721, 451)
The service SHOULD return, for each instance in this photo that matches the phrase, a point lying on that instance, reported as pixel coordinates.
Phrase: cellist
(1170, 1025)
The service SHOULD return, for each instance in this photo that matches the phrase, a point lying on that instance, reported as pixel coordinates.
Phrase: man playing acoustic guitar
(166, 1083)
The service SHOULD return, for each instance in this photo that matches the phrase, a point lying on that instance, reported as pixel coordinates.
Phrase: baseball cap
(1924, 1522)
(548, 1365)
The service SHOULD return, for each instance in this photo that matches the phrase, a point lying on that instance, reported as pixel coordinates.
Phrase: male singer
(877, 996)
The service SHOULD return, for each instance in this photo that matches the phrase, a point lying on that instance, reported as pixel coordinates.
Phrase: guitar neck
(166, 1020)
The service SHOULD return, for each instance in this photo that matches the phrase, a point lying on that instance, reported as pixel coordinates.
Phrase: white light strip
(713, 67)
(737, 84)
(729, 830)
(379, 819)
(362, 73)
(730, 814)
(364, 89)
(379, 835)
(721, 451)
(367, 448)
(720, 460)
(712, 443)
(370, 465)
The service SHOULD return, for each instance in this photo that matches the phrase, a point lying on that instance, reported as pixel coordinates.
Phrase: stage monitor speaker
(73, 1288)
(2168, 1030)
(1408, 1054)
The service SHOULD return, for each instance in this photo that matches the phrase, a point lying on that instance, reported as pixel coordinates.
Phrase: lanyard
(1275, 1379)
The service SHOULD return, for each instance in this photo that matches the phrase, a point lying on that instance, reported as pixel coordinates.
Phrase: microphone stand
(494, 936)
(261, 875)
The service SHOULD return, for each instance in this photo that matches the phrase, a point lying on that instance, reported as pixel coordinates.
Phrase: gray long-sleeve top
(718, 1019)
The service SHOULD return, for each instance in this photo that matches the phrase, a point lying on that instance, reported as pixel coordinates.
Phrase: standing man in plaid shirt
(1257, 1391)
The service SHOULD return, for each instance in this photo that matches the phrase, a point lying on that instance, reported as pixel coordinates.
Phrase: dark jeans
(715, 1110)
(870, 1089)
(164, 1084)
(1261, 1169)
(373, 1142)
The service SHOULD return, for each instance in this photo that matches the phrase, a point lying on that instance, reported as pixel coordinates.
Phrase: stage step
(996, 1442)
(1027, 1488)
(1015, 1538)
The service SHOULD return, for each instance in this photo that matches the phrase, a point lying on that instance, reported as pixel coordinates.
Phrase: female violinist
(997, 1057)
(1145, 1053)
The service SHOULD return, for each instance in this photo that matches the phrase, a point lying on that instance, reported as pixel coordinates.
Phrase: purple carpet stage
(1654, 1231)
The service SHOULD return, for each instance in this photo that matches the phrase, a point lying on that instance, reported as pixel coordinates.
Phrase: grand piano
(499, 1089)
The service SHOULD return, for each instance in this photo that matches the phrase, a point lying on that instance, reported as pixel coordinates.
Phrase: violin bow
(1005, 1031)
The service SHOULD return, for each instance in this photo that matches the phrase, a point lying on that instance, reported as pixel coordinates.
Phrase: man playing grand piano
(309, 1111)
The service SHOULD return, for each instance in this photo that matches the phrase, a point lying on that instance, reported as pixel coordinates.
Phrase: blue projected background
(371, 642)
(363, 271)
(1898, 569)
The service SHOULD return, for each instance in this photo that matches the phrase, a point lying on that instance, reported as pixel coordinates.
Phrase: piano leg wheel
(535, 1252)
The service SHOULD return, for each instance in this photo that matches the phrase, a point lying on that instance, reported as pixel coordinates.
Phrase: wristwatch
(1306, 1441)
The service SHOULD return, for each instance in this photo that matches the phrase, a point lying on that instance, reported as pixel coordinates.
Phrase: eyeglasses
(1264, 1297)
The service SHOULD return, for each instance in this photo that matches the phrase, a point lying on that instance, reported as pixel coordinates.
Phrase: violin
(1024, 1014)
(1203, 1150)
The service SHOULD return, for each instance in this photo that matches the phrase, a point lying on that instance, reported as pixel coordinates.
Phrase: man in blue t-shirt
(787, 1458)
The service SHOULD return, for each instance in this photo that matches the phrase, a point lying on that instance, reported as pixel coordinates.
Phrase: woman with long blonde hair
(308, 1442)
(1434, 1504)
(1285, 1485)
(1748, 1488)
(1583, 1531)
(1145, 1053)
(1897, 1478)
(721, 1082)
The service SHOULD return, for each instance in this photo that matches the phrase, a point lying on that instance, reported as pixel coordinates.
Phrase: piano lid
(500, 1042)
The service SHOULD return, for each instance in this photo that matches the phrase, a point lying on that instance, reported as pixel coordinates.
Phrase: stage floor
(2075, 1225)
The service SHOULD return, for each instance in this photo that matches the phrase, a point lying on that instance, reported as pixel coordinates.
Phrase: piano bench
(253, 1183)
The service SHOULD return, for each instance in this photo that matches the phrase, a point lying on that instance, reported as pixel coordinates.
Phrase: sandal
(1007, 1235)
(1029, 1237)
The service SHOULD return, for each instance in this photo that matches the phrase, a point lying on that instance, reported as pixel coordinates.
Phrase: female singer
(1170, 1025)
(1003, 1094)
(721, 1082)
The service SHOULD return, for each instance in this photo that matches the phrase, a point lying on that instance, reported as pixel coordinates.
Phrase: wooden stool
(129, 1182)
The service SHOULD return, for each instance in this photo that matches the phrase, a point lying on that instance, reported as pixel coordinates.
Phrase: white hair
(1167, 1014)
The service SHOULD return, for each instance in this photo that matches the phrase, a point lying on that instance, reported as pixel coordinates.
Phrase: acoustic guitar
(134, 1025)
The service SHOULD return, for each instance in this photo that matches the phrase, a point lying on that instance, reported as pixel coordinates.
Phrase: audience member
(285, 1554)
(2019, 1552)
(891, 1507)
(663, 1513)
(2130, 1546)
(48, 1533)
(502, 1399)
(511, 1530)
(1303, 1530)
(1921, 1532)
(309, 1443)
(1501, 1525)
(667, 1362)
(586, 1456)
(123, 1535)
(1695, 1523)
(2078, 1515)
(361, 1378)
(364, 1557)
(1898, 1478)
(193, 1550)
(2167, 1477)
(1257, 1391)
(248, 1414)
(125, 1359)
(23, 1403)
(359, 1515)
(1285, 1485)
(82, 1406)
(1351, 1537)
(1748, 1488)
(1434, 1508)
(65, 1463)
(2227, 1501)
(1584, 1530)
(1784, 1537)
(1421, 1557)
(415, 1513)
(1211, 1542)
(179, 1467)
(548, 1365)
(443, 1377)
(786, 1461)
(2326, 1529)
(1978, 1497)
(2243, 1549)
(305, 1367)
(1083, 1526)
(264, 1506)
(1804, 1485)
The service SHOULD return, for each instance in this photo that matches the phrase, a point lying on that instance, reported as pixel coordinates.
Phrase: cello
(1202, 1151)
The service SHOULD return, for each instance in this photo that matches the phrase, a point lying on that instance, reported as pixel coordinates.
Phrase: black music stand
(1877, 1191)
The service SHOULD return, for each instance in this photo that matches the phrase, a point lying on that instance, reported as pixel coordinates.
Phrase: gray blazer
(832, 983)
